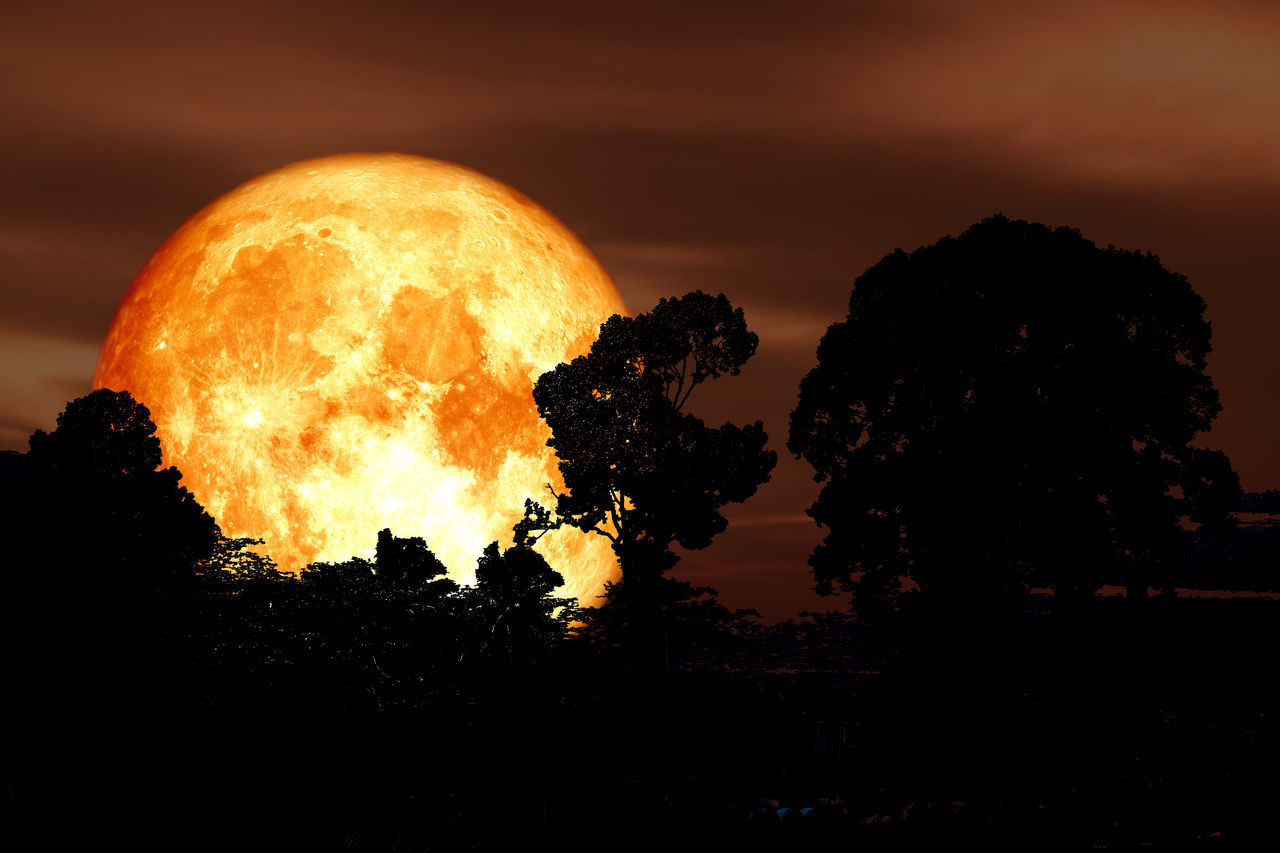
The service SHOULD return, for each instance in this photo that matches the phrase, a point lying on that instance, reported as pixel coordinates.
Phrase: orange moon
(350, 343)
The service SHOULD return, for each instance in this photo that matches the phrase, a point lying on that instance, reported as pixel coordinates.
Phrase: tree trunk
(639, 600)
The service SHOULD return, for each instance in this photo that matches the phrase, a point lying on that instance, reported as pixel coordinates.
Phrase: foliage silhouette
(638, 469)
(111, 540)
(354, 709)
(234, 566)
(1012, 398)
(513, 612)
(407, 563)
(370, 636)
(97, 613)
(100, 470)
(241, 639)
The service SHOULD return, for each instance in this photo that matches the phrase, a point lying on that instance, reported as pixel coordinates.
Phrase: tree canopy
(515, 606)
(103, 544)
(638, 469)
(1012, 398)
(100, 473)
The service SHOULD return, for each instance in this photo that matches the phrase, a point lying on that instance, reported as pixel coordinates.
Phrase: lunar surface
(350, 343)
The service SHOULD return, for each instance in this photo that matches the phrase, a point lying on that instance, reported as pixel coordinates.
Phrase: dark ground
(1126, 729)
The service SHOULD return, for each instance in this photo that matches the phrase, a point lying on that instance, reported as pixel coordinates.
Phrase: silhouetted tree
(99, 474)
(1011, 398)
(114, 538)
(97, 652)
(637, 468)
(518, 617)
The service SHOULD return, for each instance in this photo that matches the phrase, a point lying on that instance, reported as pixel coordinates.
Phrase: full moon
(350, 343)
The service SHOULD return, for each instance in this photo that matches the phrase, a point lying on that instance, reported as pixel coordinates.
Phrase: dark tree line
(120, 584)
(128, 580)
(1010, 408)
(136, 635)
(1014, 407)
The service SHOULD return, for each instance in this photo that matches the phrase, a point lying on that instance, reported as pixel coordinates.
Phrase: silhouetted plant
(1013, 397)
(513, 611)
(637, 468)
(100, 474)
(98, 585)
(407, 563)
(378, 635)
(234, 567)
(117, 536)
(241, 639)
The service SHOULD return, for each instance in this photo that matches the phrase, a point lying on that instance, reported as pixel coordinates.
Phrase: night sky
(769, 152)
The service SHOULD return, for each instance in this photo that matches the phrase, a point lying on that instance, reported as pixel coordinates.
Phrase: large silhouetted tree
(638, 469)
(1011, 399)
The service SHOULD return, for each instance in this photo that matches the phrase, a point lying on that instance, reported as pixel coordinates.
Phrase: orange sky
(771, 152)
